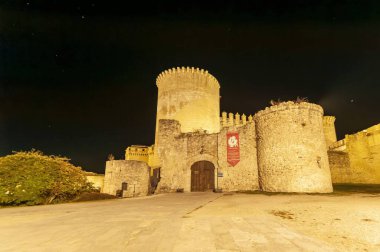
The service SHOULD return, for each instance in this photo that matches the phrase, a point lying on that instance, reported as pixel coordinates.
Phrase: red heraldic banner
(233, 148)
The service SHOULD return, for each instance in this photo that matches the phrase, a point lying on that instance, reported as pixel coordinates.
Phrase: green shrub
(33, 178)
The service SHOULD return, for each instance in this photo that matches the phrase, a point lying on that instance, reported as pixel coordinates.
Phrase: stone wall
(292, 154)
(329, 130)
(96, 180)
(341, 172)
(179, 151)
(172, 155)
(138, 153)
(361, 164)
(135, 173)
(244, 175)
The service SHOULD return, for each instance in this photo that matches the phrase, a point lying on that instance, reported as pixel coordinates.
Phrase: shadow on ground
(339, 190)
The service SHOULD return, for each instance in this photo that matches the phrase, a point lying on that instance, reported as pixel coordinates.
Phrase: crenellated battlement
(181, 75)
(140, 153)
(234, 120)
(288, 106)
(328, 120)
(338, 145)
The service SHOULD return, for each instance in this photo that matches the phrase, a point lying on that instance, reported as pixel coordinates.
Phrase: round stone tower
(329, 130)
(190, 96)
(291, 149)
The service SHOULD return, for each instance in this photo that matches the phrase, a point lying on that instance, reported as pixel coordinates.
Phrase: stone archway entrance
(202, 176)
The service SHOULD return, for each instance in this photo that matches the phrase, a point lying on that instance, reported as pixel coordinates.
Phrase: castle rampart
(234, 120)
(179, 151)
(356, 159)
(329, 130)
(140, 153)
(291, 148)
(244, 175)
(287, 147)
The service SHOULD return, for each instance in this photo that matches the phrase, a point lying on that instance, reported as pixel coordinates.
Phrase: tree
(33, 178)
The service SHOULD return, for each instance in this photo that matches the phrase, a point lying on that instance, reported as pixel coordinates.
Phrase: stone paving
(167, 222)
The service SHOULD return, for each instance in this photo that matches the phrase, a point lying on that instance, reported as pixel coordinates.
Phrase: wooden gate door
(202, 176)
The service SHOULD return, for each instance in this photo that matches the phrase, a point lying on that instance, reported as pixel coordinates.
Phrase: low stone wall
(135, 173)
(96, 180)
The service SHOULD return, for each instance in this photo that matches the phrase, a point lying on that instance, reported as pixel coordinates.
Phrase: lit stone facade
(292, 154)
(186, 93)
(329, 130)
(298, 164)
(180, 150)
(140, 153)
(282, 148)
(97, 180)
(356, 158)
(135, 173)
(189, 96)
(244, 175)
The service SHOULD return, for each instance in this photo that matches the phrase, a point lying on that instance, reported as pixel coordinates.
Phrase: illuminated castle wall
(189, 130)
(292, 153)
(356, 158)
(189, 96)
(329, 129)
(283, 148)
(140, 153)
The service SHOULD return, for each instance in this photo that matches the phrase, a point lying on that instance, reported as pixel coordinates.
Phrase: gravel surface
(198, 222)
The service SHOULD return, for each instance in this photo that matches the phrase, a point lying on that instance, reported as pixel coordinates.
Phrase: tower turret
(329, 130)
(190, 96)
(291, 148)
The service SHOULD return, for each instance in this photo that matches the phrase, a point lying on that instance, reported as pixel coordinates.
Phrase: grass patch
(339, 190)
(94, 196)
(270, 193)
(356, 188)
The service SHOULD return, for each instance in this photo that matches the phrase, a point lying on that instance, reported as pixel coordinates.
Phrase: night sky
(78, 79)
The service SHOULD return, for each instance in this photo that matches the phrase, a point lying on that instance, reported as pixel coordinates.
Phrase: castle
(287, 147)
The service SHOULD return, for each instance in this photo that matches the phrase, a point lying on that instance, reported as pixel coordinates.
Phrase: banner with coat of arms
(233, 148)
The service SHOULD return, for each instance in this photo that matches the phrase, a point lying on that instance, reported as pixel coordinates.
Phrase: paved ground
(198, 222)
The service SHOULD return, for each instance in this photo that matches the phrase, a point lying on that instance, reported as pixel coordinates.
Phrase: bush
(33, 178)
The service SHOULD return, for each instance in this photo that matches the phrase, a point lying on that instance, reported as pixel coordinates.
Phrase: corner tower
(190, 96)
(329, 130)
(291, 149)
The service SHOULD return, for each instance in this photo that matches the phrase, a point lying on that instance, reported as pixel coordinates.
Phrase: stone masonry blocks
(291, 149)
(135, 173)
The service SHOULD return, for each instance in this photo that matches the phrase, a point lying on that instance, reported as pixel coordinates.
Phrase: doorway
(202, 176)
